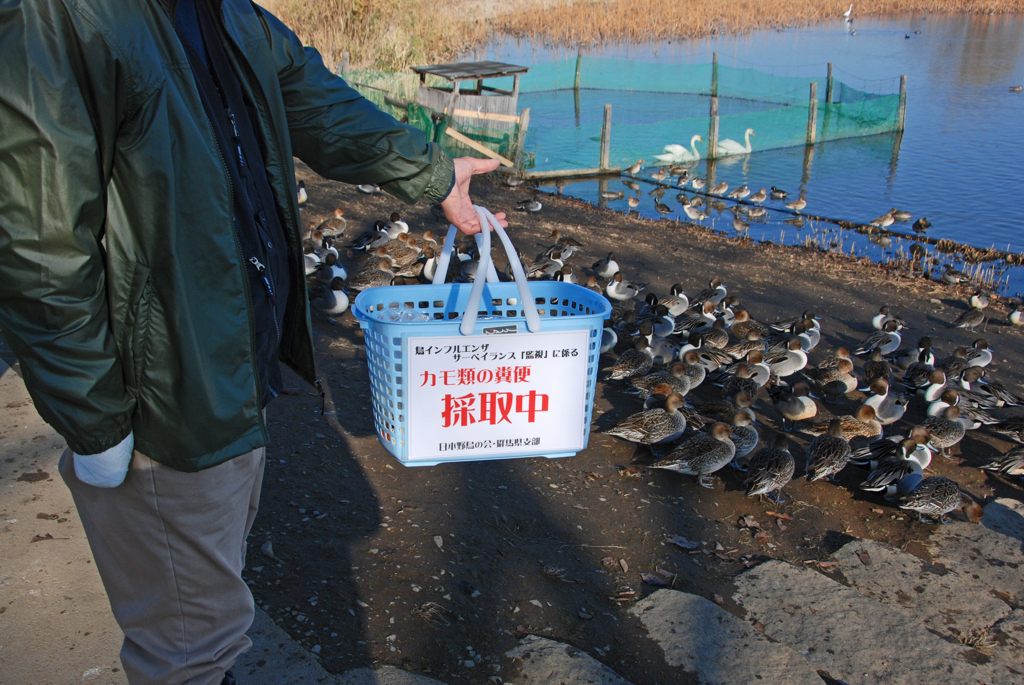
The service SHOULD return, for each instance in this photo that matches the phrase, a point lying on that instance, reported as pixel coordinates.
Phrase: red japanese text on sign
(491, 407)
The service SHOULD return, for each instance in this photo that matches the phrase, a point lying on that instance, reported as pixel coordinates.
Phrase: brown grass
(394, 34)
(590, 23)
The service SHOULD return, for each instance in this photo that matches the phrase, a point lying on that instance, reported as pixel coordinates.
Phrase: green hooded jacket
(122, 286)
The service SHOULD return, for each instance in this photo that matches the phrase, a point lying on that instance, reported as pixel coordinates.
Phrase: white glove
(106, 469)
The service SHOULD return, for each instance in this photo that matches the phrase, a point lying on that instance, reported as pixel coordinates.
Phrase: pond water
(960, 153)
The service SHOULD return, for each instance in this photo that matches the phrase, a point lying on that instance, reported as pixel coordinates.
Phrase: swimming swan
(731, 147)
(674, 154)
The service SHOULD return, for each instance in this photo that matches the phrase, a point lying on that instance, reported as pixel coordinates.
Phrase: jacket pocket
(134, 338)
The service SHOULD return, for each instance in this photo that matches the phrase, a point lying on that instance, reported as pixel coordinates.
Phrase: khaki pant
(170, 548)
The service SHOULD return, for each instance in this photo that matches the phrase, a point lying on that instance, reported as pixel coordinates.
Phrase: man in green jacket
(151, 279)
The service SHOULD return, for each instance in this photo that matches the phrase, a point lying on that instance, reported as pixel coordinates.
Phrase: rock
(1005, 516)
(980, 553)
(543, 661)
(702, 638)
(945, 601)
(852, 637)
(1007, 636)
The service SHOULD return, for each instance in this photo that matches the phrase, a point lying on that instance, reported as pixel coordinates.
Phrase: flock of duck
(711, 340)
(674, 344)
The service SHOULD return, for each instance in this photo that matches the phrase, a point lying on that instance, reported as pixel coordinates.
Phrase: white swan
(675, 154)
(731, 147)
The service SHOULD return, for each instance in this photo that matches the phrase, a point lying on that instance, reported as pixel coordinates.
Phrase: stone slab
(982, 554)
(700, 637)
(541, 661)
(1007, 639)
(948, 602)
(854, 638)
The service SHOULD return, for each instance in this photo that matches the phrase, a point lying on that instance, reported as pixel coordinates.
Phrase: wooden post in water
(606, 138)
(828, 86)
(812, 114)
(343, 65)
(714, 74)
(579, 66)
(713, 129)
(524, 124)
(901, 114)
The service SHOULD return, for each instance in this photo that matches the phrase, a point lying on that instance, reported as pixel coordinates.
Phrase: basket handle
(486, 265)
(441, 272)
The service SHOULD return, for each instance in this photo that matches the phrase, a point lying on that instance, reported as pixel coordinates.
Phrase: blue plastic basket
(441, 309)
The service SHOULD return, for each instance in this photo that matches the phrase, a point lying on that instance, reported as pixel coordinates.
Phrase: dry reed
(633, 21)
(394, 34)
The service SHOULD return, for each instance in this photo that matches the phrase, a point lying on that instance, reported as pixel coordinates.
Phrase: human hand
(458, 208)
(106, 469)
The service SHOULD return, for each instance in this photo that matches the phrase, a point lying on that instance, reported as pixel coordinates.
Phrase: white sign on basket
(496, 394)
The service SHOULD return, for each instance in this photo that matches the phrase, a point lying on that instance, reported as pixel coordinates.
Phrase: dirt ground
(437, 570)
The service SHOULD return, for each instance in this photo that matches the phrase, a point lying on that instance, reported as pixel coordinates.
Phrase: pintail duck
(786, 324)
(332, 301)
(739, 225)
(1010, 464)
(742, 324)
(529, 205)
(863, 424)
(938, 496)
(797, 205)
(921, 225)
(834, 381)
(757, 212)
(301, 194)
(828, 454)
(1012, 428)
(676, 301)
(310, 259)
(877, 368)
(658, 192)
(770, 470)
(695, 371)
(381, 276)
(659, 175)
(790, 362)
(633, 202)
(592, 284)
(918, 374)
(609, 338)
(715, 293)
(896, 474)
(740, 381)
(635, 169)
(759, 196)
(618, 289)
(334, 225)
(868, 455)
(908, 358)
(716, 336)
(979, 354)
(794, 404)
(739, 193)
(999, 393)
(653, 426)
(887, 340)
(954, 364)
(979, 300)
(883, 316)
(658, 397)
(634, 362)
(719, 188)
(945, 430)
(1016, 316)
(368, 189)
(687, 323)
(972, 417)
(701, 455)
(901, 215)
(675, 377)
(744, 436)
(371, 239)
(753, 342)
(970, 319)
(810, 336)
(953, 276)
(607, 267)
(888, 408)
(883, 221)
(565, 275)
(692, 213)
(697, 183)
(832, 362)
(933, 387)
(725, 410)
(330, 269)
(396, 226)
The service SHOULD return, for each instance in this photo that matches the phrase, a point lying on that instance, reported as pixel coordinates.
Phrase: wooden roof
(464, 71)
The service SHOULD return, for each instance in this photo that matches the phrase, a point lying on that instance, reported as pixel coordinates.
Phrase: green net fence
(653, 105)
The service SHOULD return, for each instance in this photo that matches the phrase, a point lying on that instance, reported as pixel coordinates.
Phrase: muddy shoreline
(556, 547)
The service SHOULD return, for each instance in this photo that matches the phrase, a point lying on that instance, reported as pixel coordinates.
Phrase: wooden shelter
(470, 105)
